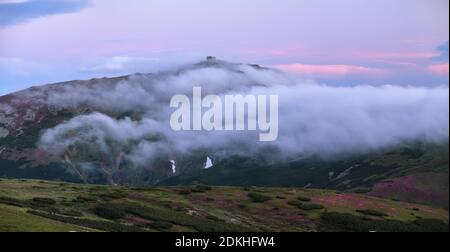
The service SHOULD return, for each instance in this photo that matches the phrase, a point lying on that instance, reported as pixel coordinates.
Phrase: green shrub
(71, 212)
(201, 189)
(362, 190)
(214, 218)
(180, 218)
(13, 202)
(44, 201)
(304, 206)
(160, 225)
(109, 212)
(84, 199)
(371, 212)
(242, 206)
(332, 221)
(258, 198)
(305, 199)
(184, 192)
(113, 195)
(295, 203)
(47, 208)
(308, 207)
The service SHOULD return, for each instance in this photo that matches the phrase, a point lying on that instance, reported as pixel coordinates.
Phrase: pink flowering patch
(340, 200)
(139, 221)
(354, 201)
(419, 188)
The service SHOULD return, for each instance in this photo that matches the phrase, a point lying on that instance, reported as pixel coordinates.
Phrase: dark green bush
(258, 198)
(13, 202)
(305, 206)
(305, 199)
(362, 190)
(201, 189)
(371, 212)
(160, 225)
(44, 201)
(214, 218)
(242, 206)
(308, 207)
(180, 218)
(47, 208)
(184, 192)
(109, 212)
(348, 222)
(84, 199)
(295, 203)
(70, 212)
(112, 195)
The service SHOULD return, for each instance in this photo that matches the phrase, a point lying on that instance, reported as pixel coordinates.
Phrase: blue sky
(344, 42)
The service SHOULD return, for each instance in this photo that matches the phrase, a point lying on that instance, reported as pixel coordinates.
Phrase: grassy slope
(15, 219)
(183, 209)
(416, 174)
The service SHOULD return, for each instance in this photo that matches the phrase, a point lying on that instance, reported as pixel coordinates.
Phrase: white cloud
(314, 119)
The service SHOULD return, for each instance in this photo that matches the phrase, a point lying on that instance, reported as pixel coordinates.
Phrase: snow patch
(346, 172)
(174, 167)
(209, 163)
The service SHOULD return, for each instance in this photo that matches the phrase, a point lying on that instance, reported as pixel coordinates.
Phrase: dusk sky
(345, 42)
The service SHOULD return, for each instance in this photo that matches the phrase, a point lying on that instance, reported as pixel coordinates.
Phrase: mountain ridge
(24, 115)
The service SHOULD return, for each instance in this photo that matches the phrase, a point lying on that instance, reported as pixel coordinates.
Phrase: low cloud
(314, 119)
(121, 65)
(335, 71)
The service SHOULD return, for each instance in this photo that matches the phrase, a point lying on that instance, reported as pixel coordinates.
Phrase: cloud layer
(132, 116)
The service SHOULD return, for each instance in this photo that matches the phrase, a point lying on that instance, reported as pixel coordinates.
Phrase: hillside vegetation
(36, 205)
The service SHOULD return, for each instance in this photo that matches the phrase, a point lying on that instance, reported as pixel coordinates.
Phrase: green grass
(13, 219)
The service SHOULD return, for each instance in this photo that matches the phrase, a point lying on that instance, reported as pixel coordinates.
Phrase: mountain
(108, 131)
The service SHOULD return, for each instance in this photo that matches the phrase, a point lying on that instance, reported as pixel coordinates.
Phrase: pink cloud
(439, 69)
(394, 55)
(331, 70)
